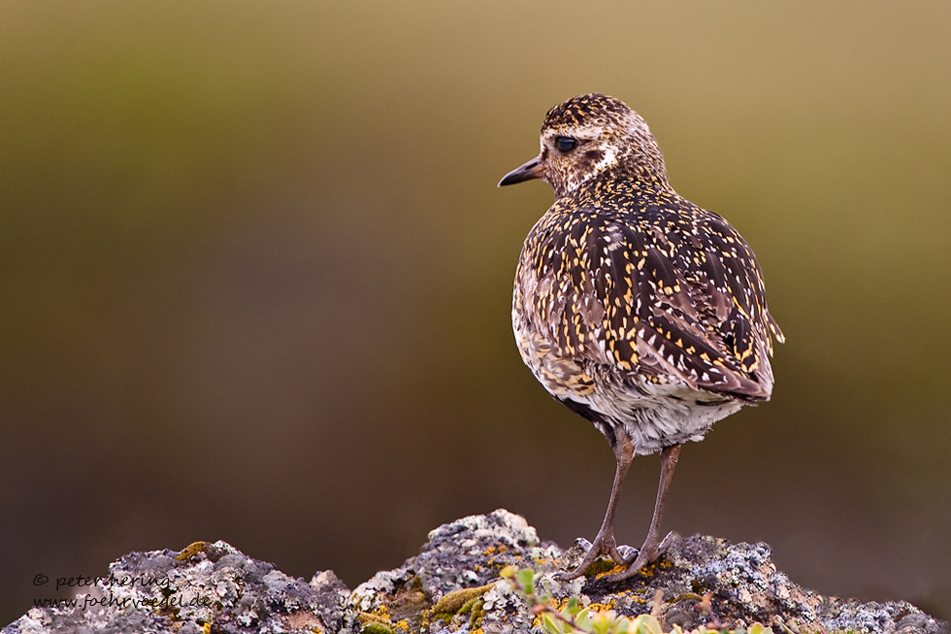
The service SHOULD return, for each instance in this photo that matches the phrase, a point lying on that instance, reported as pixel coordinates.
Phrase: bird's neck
(629, 181)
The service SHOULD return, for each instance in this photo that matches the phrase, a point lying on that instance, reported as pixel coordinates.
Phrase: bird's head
(590, 135)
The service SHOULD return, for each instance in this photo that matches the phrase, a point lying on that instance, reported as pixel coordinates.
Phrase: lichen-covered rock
(465, 554)
(204, 588)
(704, 579)
(453, 585)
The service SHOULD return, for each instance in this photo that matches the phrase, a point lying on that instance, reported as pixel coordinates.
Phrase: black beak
(532, 169)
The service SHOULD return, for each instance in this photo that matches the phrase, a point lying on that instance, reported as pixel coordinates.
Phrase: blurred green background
(256, 278)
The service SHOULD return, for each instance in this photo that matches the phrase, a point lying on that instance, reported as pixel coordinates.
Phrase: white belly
(654, 414)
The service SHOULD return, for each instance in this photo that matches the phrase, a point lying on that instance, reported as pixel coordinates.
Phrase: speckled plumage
(632, 306)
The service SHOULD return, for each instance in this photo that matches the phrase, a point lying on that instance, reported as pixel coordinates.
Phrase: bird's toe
(603, 545)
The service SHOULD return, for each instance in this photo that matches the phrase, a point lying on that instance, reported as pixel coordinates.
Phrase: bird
(637, 309)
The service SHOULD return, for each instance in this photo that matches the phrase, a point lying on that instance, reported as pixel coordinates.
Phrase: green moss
(686, 595)
(453, 602)
(600, 567)
(467, 606)
(375, 624)
(698, 586)
(191, 550)
(478, 613)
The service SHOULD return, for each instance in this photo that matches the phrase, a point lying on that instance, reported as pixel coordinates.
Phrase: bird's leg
(652, 548)
(604, 543)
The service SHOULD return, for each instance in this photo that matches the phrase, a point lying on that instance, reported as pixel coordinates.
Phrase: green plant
(575, 618)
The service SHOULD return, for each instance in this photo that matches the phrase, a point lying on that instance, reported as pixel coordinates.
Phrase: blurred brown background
(256, 278)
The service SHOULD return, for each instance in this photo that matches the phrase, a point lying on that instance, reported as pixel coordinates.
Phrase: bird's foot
(650, 552)
(604, 544)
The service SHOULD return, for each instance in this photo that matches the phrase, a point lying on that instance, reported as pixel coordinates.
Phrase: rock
(453, 585)
(165, 591)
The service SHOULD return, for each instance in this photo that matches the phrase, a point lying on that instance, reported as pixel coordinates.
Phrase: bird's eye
(565, 143)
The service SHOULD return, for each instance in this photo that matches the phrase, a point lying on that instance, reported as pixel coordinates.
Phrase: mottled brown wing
(634, 298)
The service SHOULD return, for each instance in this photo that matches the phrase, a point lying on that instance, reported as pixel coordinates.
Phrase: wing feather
(689, 304)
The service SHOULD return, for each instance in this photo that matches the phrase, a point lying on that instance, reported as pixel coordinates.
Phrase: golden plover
(634, 307)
